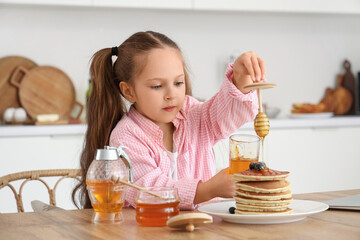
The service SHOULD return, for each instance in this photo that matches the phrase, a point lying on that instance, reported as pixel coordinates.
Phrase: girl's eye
(156, 87)
(179, 83)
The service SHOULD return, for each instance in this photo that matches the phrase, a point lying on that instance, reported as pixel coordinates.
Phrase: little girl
(169, 134)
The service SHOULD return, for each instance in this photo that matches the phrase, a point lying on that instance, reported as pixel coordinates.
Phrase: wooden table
(75, 224)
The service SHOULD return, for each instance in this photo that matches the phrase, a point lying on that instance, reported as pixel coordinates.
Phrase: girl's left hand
(248, 68)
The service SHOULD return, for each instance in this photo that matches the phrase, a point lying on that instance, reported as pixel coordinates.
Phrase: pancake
(266, 174)
(254, 208)
(258, 202)
(264, 186)
(264, 196)
(262, 191)
(287, 211)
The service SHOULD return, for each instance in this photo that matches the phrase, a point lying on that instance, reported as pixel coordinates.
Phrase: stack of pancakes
(262, 192)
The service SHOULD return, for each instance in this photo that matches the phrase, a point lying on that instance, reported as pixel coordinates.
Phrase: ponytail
(105, 108)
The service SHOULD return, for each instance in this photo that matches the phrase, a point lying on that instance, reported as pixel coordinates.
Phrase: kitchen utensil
(118, 180)
(189, 221)
(357, 98)
(8, 93)
(348, 83)
(108, 197)
(329, 100)
(338, 100)
(259, 85)
(344, 98)
(45, 90)
(301, 209)
(261, 122)
(271, 112)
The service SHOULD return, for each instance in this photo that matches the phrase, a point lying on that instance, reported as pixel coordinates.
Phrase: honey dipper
(118, 180)
(261, 122)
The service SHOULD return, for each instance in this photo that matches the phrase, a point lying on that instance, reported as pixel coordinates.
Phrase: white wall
(304, 52)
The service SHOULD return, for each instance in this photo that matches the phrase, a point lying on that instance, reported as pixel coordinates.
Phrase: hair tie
(114, 51)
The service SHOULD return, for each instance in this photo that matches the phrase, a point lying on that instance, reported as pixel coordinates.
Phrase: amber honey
(155, 214)
(107, 195)
(240, 164)
(262, 149)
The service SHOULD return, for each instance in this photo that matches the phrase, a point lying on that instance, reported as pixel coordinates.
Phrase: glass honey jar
(107, 197)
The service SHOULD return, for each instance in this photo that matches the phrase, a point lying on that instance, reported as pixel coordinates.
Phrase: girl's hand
(248, 68)
(220, 185)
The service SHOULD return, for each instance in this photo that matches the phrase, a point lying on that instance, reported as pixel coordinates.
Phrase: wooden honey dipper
(118, 180)
(261, 122)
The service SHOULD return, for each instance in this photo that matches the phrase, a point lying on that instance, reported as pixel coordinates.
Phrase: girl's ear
(127, 91)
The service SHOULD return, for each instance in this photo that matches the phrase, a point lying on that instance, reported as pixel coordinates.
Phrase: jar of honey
(107, 197)
(155, 211)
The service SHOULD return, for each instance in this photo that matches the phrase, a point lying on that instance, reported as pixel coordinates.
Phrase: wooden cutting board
(45, 90)
(8, 92)
(349, 84)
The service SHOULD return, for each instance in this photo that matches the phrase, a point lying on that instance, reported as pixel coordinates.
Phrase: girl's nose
(170, 93)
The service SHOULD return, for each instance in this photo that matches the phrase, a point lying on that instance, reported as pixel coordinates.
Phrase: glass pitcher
(107, 197)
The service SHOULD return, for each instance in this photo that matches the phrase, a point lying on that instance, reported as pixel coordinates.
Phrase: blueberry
(232, 210)
(260, 166)
(252, 165)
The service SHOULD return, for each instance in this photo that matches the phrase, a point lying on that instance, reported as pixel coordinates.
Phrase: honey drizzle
(262, 149)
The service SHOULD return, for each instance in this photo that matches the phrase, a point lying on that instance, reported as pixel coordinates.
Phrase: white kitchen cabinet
(304, 6)
(50, 2)
(319, 159)
(40, 152)
(286, 6)
(159, 4)
(174, 4)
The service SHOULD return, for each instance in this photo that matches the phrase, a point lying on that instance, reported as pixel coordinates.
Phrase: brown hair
(105, 107)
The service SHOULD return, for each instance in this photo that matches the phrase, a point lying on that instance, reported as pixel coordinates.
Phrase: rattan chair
(37, 175)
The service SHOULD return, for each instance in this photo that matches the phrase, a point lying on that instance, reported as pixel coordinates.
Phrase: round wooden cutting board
(45, 90)
(8, 92)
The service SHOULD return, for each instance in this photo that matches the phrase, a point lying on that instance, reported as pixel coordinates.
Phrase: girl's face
(159, 90)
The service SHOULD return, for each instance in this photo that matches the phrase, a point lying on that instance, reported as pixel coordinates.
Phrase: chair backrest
(38, 175)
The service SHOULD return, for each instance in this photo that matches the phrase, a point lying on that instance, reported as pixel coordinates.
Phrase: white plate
(301, 209)
(312, 115)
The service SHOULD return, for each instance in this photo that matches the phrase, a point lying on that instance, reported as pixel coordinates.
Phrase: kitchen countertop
(277, 123)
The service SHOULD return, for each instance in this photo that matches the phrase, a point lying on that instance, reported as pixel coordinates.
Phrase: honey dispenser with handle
(107, 197)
